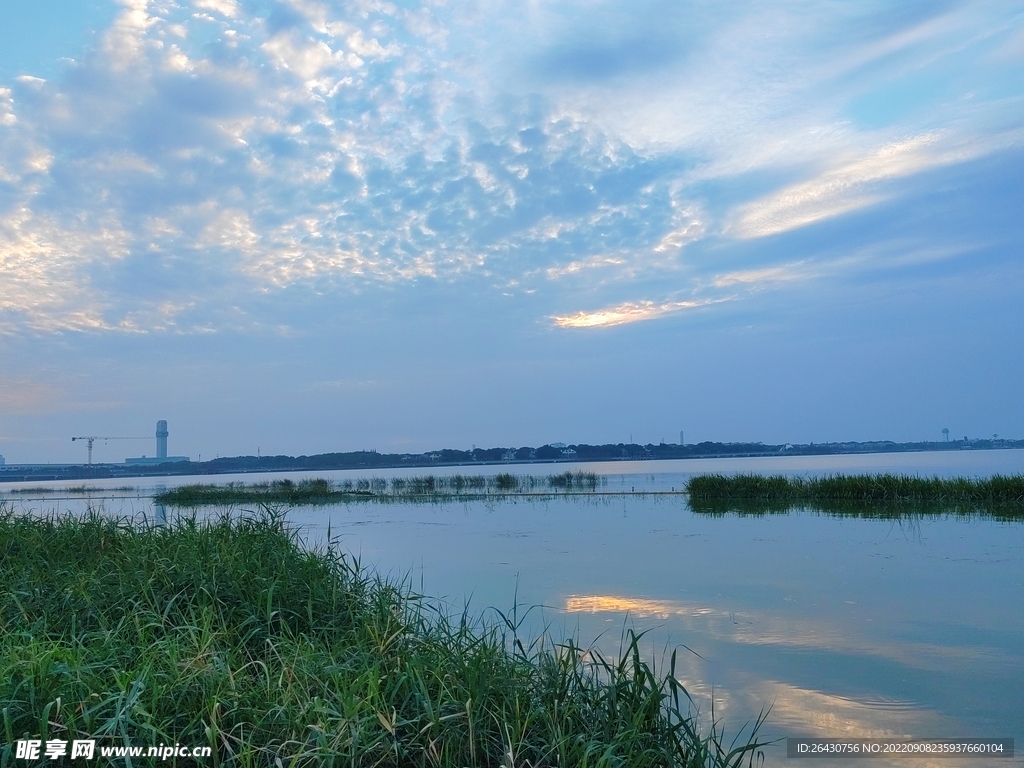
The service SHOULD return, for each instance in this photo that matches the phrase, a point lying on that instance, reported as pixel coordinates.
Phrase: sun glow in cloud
(628, 312)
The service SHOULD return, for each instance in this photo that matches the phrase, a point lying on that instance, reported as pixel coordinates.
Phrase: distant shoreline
(548, 454)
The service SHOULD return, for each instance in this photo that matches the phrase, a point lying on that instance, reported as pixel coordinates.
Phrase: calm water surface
(843, 627)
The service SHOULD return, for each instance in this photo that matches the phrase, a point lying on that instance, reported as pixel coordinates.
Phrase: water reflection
(876, 625)
(759, 628)
(900, 511)
(741, 691)
(636, 606)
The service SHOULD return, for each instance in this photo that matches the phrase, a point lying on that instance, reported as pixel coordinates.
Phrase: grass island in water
(230, 634)
(1002, 496)
(321, 491)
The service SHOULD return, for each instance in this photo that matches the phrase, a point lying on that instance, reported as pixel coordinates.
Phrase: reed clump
(428, 487)
(231, 634)
(864, 495)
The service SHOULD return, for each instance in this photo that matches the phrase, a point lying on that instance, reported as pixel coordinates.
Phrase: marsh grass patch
(230, 633)
(420, 488)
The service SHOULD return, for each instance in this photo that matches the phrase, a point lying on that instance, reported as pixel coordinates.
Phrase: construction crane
(90, 439)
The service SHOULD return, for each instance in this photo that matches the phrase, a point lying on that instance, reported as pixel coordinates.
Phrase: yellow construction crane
(90, 439)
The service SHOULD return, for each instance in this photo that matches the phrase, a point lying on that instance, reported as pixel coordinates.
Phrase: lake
(843, 627)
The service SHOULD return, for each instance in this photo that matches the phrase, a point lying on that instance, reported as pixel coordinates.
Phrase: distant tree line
(510, 455)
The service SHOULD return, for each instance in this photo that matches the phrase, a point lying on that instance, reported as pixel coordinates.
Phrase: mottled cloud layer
(206, 156)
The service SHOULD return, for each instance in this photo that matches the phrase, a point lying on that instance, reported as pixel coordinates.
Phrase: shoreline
(229, 633)
(371, 460)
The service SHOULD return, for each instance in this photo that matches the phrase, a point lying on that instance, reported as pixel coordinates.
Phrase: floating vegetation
(574, 481)
(877, 496)
(428, 487)
(230, 634)
(71, 489)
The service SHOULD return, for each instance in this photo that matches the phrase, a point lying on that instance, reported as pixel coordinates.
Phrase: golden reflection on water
(637, 606)
(763, 628)
(796, 710)
(833, 716)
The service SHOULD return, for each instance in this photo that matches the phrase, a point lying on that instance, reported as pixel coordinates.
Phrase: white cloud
(306, 58)
(365, 143)
(177, 61)
(125, 41)
(760, 277)
(229, 230)
(835, 192)
(228, 8)
(7, 116)
(582, 265)
(41, 281)
(693, 229)
(628, 312)
(848, 187)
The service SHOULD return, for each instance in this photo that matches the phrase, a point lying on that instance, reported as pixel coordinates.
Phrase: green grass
(320, 491)
(232, 634)
(862, 495)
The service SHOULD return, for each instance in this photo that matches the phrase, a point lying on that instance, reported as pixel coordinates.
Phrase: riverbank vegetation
(231, 634)
(321, 491)
(882, 495)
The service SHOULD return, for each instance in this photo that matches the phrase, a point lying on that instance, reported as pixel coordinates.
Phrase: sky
(294, 227)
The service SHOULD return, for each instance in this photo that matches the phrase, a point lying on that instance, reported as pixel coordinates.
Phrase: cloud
(7, 116)
(228, 8)
(848, 187)
(41, 286)
(834, 193)
(204, 157)
(576, 267)
(628, 312)
(125, 42)
(692, 230)
(332, 150)
(758, 277)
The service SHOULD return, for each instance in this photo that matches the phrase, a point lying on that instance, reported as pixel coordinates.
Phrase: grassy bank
(232, 635)
(865, 495)
(320, 491)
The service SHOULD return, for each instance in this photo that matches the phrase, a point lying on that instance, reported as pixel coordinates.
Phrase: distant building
(557, 445)
(156, 459)
(2, 461)
(161, 449)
